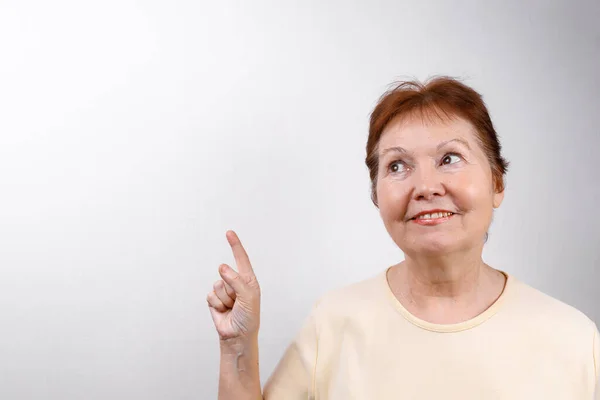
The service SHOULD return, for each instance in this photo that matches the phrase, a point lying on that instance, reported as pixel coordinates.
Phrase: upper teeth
(435, 215)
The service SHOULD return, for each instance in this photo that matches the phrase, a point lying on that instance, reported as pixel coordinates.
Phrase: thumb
(233, 279)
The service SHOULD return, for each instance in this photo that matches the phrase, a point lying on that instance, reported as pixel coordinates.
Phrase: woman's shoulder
(544, 309)
(354, 299)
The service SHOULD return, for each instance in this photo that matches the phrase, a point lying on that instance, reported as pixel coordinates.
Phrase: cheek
(392, 199)
(470, 193)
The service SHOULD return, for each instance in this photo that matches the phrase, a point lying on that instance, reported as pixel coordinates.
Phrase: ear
(498, 197)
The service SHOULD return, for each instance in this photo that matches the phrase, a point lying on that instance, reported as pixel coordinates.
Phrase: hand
(234, 303)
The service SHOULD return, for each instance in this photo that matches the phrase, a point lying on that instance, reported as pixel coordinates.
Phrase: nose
(428, 183)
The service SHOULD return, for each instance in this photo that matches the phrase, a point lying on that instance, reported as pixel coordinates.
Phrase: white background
(134, 134)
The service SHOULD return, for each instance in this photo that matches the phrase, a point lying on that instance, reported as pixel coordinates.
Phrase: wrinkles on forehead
(457, 131)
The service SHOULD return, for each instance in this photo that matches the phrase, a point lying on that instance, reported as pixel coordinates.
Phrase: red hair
(441, 97)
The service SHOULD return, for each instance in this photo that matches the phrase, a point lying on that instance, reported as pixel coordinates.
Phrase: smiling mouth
(433, 216)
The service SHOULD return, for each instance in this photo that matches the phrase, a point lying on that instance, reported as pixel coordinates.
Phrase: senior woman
(442, 324)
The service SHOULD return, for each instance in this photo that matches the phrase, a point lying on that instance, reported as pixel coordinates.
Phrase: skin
(234, 305)
(429, 164)
(423, 165)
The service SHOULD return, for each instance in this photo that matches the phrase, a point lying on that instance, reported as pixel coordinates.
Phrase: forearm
(239, 377)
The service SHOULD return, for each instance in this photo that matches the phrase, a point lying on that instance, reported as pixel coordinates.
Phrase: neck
(446, 289)
(451, 276)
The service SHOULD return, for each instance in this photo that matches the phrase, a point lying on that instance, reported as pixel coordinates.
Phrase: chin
(434, 249)
(432, 246)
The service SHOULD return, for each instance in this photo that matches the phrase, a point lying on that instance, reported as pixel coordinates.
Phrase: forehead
(414, 133)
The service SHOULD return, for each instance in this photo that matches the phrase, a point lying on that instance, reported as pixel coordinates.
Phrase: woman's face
(434, 188)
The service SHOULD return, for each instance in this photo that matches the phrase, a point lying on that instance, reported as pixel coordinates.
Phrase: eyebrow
(398, 149)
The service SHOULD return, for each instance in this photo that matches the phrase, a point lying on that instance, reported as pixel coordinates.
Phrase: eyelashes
(449, 158)
(394, 163)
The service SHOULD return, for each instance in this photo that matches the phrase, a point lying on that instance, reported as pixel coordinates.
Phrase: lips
(432, 215)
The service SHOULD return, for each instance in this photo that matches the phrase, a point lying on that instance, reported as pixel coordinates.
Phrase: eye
(451, 158)
(396, 167)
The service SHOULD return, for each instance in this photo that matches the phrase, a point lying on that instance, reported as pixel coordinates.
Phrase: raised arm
(234, 305)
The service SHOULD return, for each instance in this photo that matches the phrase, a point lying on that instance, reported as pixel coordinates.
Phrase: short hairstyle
(442, 97)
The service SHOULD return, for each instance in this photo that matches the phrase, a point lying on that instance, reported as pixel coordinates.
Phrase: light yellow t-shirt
(359, 342)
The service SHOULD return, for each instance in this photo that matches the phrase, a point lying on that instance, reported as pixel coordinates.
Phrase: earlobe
(498, 197)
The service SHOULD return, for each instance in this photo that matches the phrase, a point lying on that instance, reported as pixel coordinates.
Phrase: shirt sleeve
(293, 377)
(597, 362)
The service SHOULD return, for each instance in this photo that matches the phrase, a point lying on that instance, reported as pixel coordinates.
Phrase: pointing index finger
(240, 255)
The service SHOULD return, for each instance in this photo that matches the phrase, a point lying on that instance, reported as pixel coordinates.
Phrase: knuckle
(210, 298)
(256, 288)
(223, 297)
(228, 302)
(253, 283)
